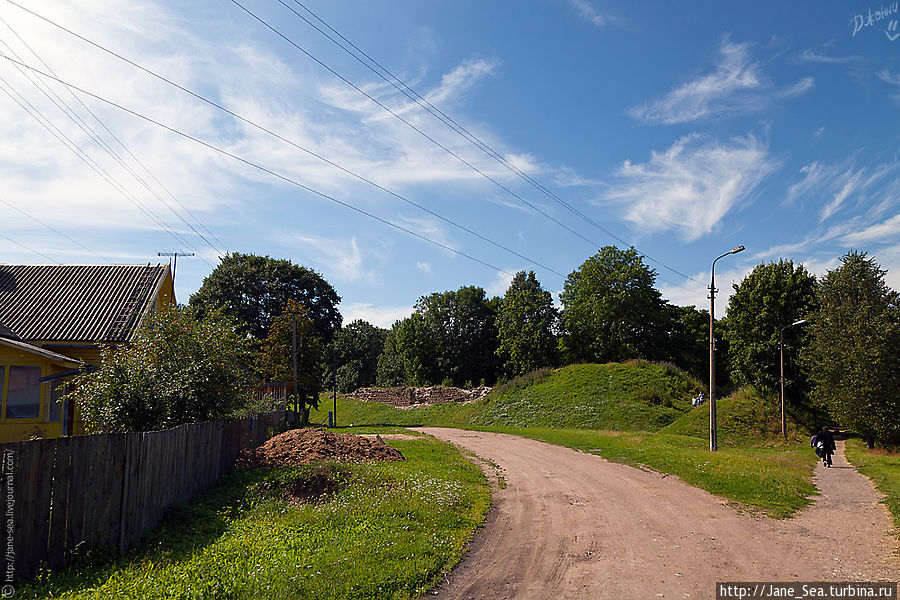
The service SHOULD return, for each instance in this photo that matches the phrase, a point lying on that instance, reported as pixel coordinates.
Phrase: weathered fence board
(74, 493)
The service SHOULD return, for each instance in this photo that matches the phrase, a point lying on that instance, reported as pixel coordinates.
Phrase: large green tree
(688, 339)
(526, 324)
(854, 354)
(451, 338)
(178, 369)
(255, 289)
(611, 311)
(293, 333)
(352, 357)
(770, 298)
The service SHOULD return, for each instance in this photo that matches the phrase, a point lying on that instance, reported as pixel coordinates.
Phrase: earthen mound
(303, 446)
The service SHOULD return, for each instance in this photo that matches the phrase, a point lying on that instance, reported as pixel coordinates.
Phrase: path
(571, 525)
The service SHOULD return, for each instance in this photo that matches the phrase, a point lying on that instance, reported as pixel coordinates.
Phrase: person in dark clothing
(826, 439)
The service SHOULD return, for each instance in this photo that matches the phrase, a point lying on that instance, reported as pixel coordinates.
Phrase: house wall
(17, 429)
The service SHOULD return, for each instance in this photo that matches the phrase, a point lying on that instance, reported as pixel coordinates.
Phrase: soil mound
(303, 446)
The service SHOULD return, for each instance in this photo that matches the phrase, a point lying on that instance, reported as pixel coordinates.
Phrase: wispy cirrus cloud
(691, 186)
(845, 182)
(810, 55)
(736, 85)
(589, 13)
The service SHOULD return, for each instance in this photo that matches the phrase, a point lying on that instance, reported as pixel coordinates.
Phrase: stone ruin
(412, 397)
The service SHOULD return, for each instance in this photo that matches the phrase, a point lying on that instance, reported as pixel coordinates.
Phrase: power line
(410, 93)
(255, 165)
(290, 142)
(54, 261)
(66, 141)
(56, 231)
(87, 129)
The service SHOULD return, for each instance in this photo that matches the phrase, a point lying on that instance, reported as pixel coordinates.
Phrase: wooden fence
(61, 497)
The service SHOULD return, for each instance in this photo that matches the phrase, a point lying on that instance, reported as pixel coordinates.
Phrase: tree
(526, 322)
(854, 354)
(354, 353)
(255, 289)
(276, 358)
(611, 311)
(463, 327)
(688, 340)
(177, 370)
(450, 338)
(769, 299)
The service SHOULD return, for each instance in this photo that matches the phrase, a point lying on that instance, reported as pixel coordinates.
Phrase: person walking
(825, 440)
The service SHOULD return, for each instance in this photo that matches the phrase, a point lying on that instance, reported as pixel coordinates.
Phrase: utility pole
(781, 345)
(294, 356)
(333, 387)
(713, 429)
(175, 264)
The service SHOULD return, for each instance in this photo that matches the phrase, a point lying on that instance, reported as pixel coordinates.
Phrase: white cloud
(888, 77)
(342, 257)
(590, 14)
(810, 55)
(737, 85)
(424, 267)
(886, 230)
(691, 186)
(382, 316)
(843, 183)
(500, 284)
(698, 294)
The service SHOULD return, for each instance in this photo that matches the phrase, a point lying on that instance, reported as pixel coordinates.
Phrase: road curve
(572, 525)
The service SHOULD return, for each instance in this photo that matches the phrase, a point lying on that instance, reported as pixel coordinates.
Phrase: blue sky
(683, 128)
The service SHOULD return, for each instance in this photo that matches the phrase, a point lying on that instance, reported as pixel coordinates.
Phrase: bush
(177, 370)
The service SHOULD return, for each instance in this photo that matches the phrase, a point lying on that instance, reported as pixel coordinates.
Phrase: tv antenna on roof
(175, 264)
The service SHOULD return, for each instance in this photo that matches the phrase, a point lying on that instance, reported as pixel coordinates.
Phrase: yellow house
(54, 320)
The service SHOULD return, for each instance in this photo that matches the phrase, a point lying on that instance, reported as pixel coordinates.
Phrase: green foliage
(769, 299)
(276, 358)
(354, 353)
(378, 530)
(256, 289)
(854, 357)
(688, 345)
(526, 322)
(177, 370)
(450, 338)
(611, 311)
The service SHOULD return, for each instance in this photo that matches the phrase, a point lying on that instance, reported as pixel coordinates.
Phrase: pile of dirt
(303, 446)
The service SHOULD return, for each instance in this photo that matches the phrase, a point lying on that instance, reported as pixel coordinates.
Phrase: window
(23, 396)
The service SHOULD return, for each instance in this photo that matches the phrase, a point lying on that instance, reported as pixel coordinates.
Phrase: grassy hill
(636, 395)
(741, 418)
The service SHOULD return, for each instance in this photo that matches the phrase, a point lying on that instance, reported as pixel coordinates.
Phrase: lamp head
(738, 249)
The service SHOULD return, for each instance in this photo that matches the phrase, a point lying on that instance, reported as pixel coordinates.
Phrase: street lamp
(781, 345)
(713, 434)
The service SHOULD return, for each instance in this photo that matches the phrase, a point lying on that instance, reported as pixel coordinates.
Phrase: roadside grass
(385, 530)
(773, 480)
(883, 468)
(637, 413)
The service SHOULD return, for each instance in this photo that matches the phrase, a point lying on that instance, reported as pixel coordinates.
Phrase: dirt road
(571, 525)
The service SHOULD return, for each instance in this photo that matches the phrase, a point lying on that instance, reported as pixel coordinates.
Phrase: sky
(401, 147)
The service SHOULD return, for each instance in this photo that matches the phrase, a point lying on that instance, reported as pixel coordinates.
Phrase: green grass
(383, 530)
(745, 417)
(633, 395)
(637, 413)
(883, 468)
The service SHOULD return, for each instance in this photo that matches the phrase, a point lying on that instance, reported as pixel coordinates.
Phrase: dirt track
(572, 525)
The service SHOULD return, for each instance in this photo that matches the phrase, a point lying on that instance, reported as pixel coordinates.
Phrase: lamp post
(781, 345)
(713, 433)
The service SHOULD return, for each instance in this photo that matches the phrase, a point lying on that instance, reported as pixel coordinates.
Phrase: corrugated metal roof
(76, 303)
(7, 332)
